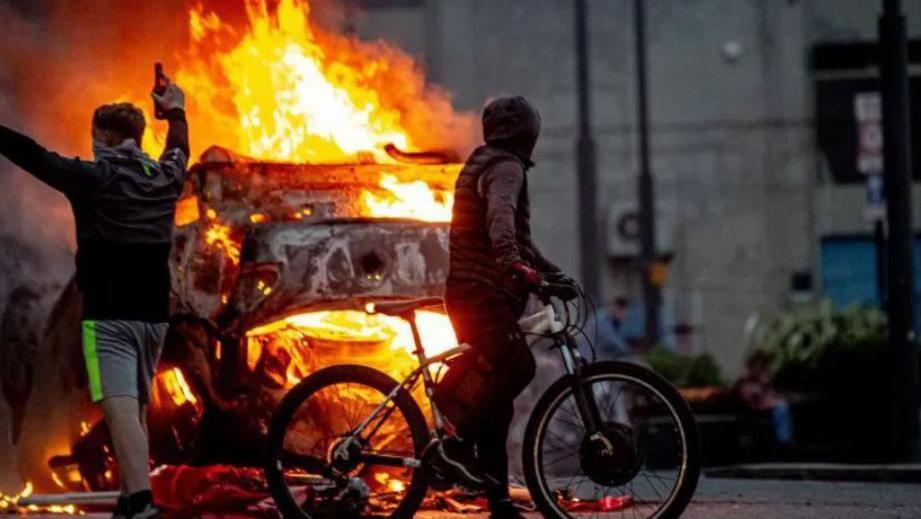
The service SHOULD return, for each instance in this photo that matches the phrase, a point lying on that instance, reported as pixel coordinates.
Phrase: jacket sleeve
(502, 185)
(175, 157)
(65, 175)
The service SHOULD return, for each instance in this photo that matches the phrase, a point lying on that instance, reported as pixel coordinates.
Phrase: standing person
(493, 265)
(124, 204)
(612, 339)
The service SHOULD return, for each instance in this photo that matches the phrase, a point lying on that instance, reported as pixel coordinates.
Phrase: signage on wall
(869, 118)
(848, 115)
(868, 113)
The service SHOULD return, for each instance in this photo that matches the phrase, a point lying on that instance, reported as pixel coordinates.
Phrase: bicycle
(586, 451)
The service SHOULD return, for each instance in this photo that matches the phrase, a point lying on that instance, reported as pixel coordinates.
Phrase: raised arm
(65, 175)
(176, 153)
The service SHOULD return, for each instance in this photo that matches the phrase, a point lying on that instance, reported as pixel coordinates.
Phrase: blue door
(849, 272)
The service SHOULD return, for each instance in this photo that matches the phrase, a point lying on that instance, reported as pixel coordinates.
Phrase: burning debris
(14, 504)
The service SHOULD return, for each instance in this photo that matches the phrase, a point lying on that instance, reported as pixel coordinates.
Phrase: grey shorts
(121, 357)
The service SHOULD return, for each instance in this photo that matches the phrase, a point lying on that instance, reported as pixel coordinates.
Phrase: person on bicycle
(124, 204)
(494, 263)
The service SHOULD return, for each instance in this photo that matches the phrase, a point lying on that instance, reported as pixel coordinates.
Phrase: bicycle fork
(583, 394)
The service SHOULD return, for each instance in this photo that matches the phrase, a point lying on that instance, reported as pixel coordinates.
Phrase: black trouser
(488, 320)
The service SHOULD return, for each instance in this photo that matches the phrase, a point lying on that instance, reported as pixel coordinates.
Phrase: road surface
(754, 499)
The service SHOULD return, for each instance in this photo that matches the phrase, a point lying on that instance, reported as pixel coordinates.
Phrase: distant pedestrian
(754, 389)
(612, 340)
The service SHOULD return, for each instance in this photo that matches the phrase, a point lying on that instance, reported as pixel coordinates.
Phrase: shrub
(801, 339)
(686, 371)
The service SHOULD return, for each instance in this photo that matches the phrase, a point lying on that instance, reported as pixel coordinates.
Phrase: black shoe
(460, 457)
(148, 512)
(504, 509)
(122, 508)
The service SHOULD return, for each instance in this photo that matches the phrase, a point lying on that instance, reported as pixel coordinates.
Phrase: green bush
(803, 339)
(686, 371)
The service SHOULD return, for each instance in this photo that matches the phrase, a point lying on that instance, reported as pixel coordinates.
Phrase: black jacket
(124, 204)
(491, 223)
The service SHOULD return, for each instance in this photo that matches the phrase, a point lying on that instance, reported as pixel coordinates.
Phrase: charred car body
(272, 266)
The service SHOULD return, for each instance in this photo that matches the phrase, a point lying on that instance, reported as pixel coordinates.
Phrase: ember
(10, 504)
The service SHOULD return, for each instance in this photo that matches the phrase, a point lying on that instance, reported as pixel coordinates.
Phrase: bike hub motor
(611, 456)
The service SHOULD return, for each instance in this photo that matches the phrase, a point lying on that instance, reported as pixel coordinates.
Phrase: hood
(127, 149)
(512, 124)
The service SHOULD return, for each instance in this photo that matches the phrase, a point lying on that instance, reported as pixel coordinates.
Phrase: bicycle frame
(573, 363)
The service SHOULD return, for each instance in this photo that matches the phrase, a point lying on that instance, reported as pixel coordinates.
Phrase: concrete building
(746, 199)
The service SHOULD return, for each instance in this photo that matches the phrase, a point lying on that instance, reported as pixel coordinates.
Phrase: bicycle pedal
(437, 476)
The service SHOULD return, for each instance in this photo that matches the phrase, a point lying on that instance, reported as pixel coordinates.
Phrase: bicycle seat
(401, 308)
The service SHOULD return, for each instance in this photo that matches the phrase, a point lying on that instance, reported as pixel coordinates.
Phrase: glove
(526, 274)
(564, 287)
(557, 277)
(172, 98)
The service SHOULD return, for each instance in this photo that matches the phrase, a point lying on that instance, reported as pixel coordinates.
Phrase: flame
(173, 381)
(291, 348)
(218, 235)
(282, 88)
(392, 483)
(10, 504)
(415, 200)
(186, 211)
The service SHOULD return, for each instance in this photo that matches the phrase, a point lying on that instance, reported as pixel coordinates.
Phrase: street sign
(868, 112)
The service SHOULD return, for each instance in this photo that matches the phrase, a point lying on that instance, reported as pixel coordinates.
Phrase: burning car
(272, 265)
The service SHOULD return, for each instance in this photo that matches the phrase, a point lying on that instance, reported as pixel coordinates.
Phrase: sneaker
(504, 509)
(149, 512)
(122, 508)
(460, 457)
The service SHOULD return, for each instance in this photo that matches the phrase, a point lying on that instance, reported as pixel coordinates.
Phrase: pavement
(900, 473)
(769, 499)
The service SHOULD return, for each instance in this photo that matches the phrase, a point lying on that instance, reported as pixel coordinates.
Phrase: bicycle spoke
(646, 416)
(327, 418)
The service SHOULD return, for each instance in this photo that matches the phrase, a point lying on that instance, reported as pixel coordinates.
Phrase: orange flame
(294, 338)
(10, 504)
(176, 387)
(284, 89)
(219, 235)
(415, 200)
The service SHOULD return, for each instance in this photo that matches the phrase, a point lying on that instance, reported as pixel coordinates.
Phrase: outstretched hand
(171, 98)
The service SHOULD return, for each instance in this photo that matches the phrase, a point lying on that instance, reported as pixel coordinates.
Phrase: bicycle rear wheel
(645, 463)
(315, 418)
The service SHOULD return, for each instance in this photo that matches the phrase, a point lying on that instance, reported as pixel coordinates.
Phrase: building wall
(733, 149)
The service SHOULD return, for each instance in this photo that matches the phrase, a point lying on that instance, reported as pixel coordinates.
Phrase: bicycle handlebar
(562, 291)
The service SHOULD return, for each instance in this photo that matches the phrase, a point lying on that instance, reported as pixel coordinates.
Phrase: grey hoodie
(123, 203)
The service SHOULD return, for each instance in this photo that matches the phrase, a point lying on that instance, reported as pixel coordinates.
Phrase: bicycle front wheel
(643, 462)
(317, 466)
